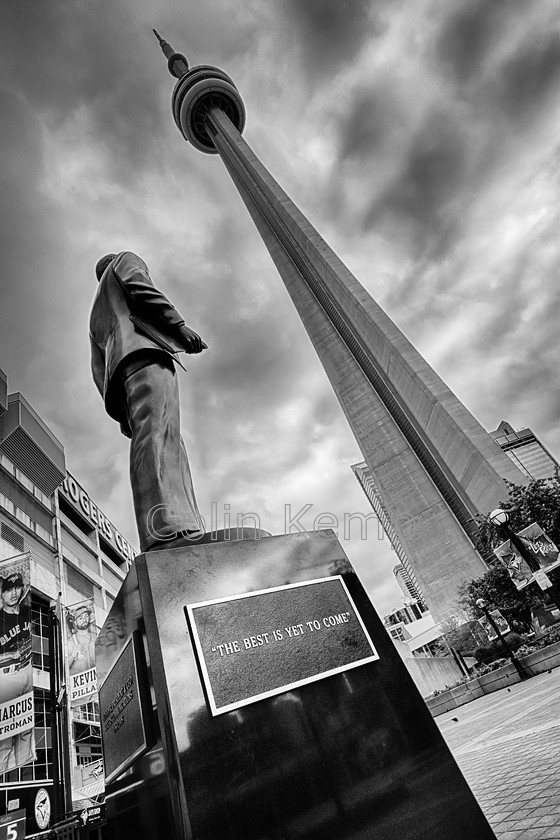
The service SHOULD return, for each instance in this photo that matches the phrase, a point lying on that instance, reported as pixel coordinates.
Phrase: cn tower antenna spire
(176, 62)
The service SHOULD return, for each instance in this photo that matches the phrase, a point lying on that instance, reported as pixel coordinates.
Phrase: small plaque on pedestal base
(124, 709)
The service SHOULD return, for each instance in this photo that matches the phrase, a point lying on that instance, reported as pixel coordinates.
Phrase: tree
(499, 592)
(538, 501)
(461, 635)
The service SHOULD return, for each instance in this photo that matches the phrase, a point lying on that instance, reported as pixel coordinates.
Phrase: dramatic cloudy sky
(421, 139)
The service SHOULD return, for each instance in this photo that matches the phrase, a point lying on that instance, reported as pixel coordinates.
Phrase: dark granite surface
(354, 755)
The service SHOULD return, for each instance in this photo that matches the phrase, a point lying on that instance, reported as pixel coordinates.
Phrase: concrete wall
(432, 673)
(429, 673)
(427, 453)
(535, 663)
(542, 660)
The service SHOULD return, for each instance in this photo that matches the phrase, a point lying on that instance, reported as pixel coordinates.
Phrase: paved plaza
(507, 745)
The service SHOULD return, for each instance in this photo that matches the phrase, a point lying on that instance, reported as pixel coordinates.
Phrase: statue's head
(102, 265)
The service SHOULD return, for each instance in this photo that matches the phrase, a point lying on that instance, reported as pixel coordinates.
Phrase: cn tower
(435, 466)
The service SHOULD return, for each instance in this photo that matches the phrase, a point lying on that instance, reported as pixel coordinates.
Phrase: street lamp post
(62, 790)
(500, 518)
(523, 675)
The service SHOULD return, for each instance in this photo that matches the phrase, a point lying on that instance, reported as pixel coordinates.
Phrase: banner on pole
(540, 547)
(80, 651)
(17, 743)
(517, 566)
(499, 621)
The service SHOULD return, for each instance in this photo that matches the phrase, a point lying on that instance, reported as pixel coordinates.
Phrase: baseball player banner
(499, 621)
(80, 651)
(17, 743)
(540, 546)
(517, 566)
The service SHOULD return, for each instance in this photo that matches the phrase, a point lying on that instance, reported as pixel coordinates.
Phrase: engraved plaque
(123, 709)
(263, 643)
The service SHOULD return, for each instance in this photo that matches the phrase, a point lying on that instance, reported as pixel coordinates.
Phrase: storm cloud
(423, 147)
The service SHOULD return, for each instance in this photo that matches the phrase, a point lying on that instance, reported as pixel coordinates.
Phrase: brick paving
(507, 745)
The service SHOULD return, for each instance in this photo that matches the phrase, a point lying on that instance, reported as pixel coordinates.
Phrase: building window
(87, 712)
(79, 582)
(87, 741)
(40, 633)
(42, 767)
(10, 536)
(76, 518)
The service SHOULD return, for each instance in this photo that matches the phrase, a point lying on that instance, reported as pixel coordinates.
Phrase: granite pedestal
(249, 691)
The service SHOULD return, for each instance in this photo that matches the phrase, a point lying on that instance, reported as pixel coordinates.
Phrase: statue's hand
(191, 341)
(125, 430)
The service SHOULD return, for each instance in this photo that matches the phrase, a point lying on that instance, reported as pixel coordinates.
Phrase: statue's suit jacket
(129, 317)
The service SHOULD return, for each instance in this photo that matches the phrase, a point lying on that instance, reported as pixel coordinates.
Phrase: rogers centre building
(111, 540)
(77, 551)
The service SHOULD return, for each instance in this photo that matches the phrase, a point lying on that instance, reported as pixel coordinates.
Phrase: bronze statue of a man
(135, 335)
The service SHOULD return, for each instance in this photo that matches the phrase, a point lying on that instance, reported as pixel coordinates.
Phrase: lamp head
(499, 517)
(480, 603)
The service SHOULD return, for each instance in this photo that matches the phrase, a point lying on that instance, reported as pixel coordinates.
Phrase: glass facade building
(526, 451)
(406, 584)
(373, 493)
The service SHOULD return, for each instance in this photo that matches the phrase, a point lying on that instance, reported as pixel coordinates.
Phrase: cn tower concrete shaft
(434, 464)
